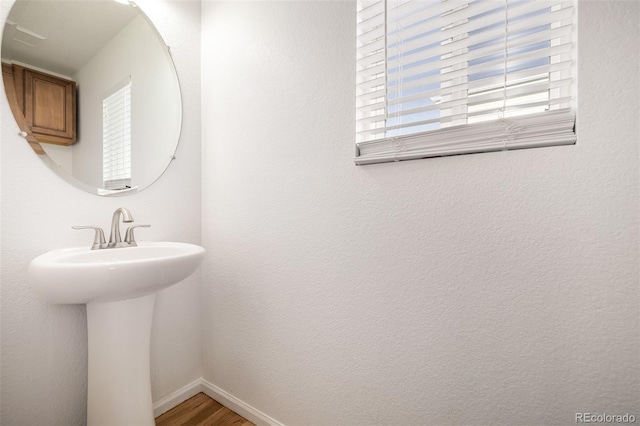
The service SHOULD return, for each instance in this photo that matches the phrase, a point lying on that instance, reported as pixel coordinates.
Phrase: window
(452, 77)
(116, 139)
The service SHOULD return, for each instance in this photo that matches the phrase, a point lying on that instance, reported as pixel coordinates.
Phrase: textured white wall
(43, 370)
(493, 288)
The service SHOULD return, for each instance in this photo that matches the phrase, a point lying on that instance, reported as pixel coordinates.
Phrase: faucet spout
(115, 240)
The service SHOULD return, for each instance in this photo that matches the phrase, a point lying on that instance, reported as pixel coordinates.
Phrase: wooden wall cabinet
(47, 102)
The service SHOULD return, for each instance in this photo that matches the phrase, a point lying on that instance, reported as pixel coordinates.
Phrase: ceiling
(62, 36)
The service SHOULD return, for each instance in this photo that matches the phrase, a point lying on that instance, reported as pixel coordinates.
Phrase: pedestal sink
(119, 287)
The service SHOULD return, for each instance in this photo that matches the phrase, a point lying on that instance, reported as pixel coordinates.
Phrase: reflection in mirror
(96, 89)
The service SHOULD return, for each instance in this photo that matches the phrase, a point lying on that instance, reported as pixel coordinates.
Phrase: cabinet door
(50, 104)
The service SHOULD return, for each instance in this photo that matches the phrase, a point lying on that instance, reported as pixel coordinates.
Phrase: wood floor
(201, 410)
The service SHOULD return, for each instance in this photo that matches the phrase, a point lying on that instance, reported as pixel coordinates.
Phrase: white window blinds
(450, 77)
(116, 139)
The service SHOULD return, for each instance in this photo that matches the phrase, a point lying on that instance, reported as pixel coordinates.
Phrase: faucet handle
(98, 240)
(129, 238)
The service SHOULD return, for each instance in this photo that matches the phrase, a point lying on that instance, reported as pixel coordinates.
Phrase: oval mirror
(94, 91)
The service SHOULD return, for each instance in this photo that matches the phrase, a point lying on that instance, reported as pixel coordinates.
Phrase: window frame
(119, 180)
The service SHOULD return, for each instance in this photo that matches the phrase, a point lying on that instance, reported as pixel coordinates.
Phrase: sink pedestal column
(119, 371)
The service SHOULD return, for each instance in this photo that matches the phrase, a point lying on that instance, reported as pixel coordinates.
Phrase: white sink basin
(82, 275)
(119, 287)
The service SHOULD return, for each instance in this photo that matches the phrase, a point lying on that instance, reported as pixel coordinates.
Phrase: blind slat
(474, 85)
(512, 93)
(483, 28)
(454, 117)
(431, 72)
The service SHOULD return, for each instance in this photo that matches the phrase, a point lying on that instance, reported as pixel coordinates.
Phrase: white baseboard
(178, 397)
(223, 397)
(239, 406)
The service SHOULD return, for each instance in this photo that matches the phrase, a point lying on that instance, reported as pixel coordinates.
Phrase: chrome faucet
(115, 239)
